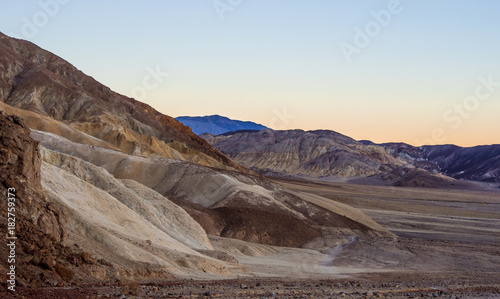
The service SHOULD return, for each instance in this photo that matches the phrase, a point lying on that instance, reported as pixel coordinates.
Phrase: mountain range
(324, 154)
(478, 163)
(216, 124)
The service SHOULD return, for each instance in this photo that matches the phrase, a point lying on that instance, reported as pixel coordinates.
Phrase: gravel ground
(369, 285)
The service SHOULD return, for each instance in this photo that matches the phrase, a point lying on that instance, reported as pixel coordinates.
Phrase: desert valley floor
(447, 245)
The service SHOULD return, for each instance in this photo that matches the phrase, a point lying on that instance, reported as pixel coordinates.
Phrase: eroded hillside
(323, 153)
(36, 80)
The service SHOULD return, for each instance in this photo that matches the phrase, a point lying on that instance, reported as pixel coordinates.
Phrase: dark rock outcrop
(41, 259)
(479, 163)
(20, 169)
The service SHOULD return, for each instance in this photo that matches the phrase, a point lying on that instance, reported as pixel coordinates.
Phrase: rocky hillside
(92, 214)
(216, 124)
(479, 163)
(296, 152)
(323, 153)
(36, 80)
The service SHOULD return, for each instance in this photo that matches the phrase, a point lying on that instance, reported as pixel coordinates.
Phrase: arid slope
(36, 80)
(228, 204)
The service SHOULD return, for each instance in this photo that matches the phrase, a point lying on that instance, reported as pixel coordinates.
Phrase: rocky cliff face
(41, 259)
(20, 169)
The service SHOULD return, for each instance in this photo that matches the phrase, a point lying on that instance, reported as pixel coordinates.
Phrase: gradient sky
(416, 79)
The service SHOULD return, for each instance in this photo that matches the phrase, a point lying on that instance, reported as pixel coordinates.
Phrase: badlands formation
(115, 199)
(331, 156)
(324, 154)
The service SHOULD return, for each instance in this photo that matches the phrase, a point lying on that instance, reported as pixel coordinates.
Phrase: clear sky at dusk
(413, 71)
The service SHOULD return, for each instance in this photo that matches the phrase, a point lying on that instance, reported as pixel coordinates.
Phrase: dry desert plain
(446, 245)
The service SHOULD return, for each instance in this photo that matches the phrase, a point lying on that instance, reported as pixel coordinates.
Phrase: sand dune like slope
(123, 221)
(222, 192)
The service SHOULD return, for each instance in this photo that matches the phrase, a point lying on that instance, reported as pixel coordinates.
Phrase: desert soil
(447, 246)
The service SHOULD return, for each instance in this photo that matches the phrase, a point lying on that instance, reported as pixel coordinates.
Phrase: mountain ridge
(400, 164)
(217, 124)
(475, 163)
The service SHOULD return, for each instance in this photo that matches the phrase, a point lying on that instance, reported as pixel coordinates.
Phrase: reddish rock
(37, 80)
(65, 273)
(48, 262)
(38, 226)
(87, 258)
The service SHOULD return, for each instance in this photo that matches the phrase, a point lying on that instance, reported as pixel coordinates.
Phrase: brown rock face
(19, 151)
(65, 273)
(39, 224)
(20, 169)
(253, 225)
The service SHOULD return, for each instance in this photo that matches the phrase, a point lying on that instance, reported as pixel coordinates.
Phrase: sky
(420, 72)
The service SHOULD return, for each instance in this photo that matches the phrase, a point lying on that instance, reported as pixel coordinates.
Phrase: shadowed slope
(481, 163)
(478, 163)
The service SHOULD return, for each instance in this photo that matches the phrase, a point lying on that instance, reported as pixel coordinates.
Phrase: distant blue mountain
(216, 124)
